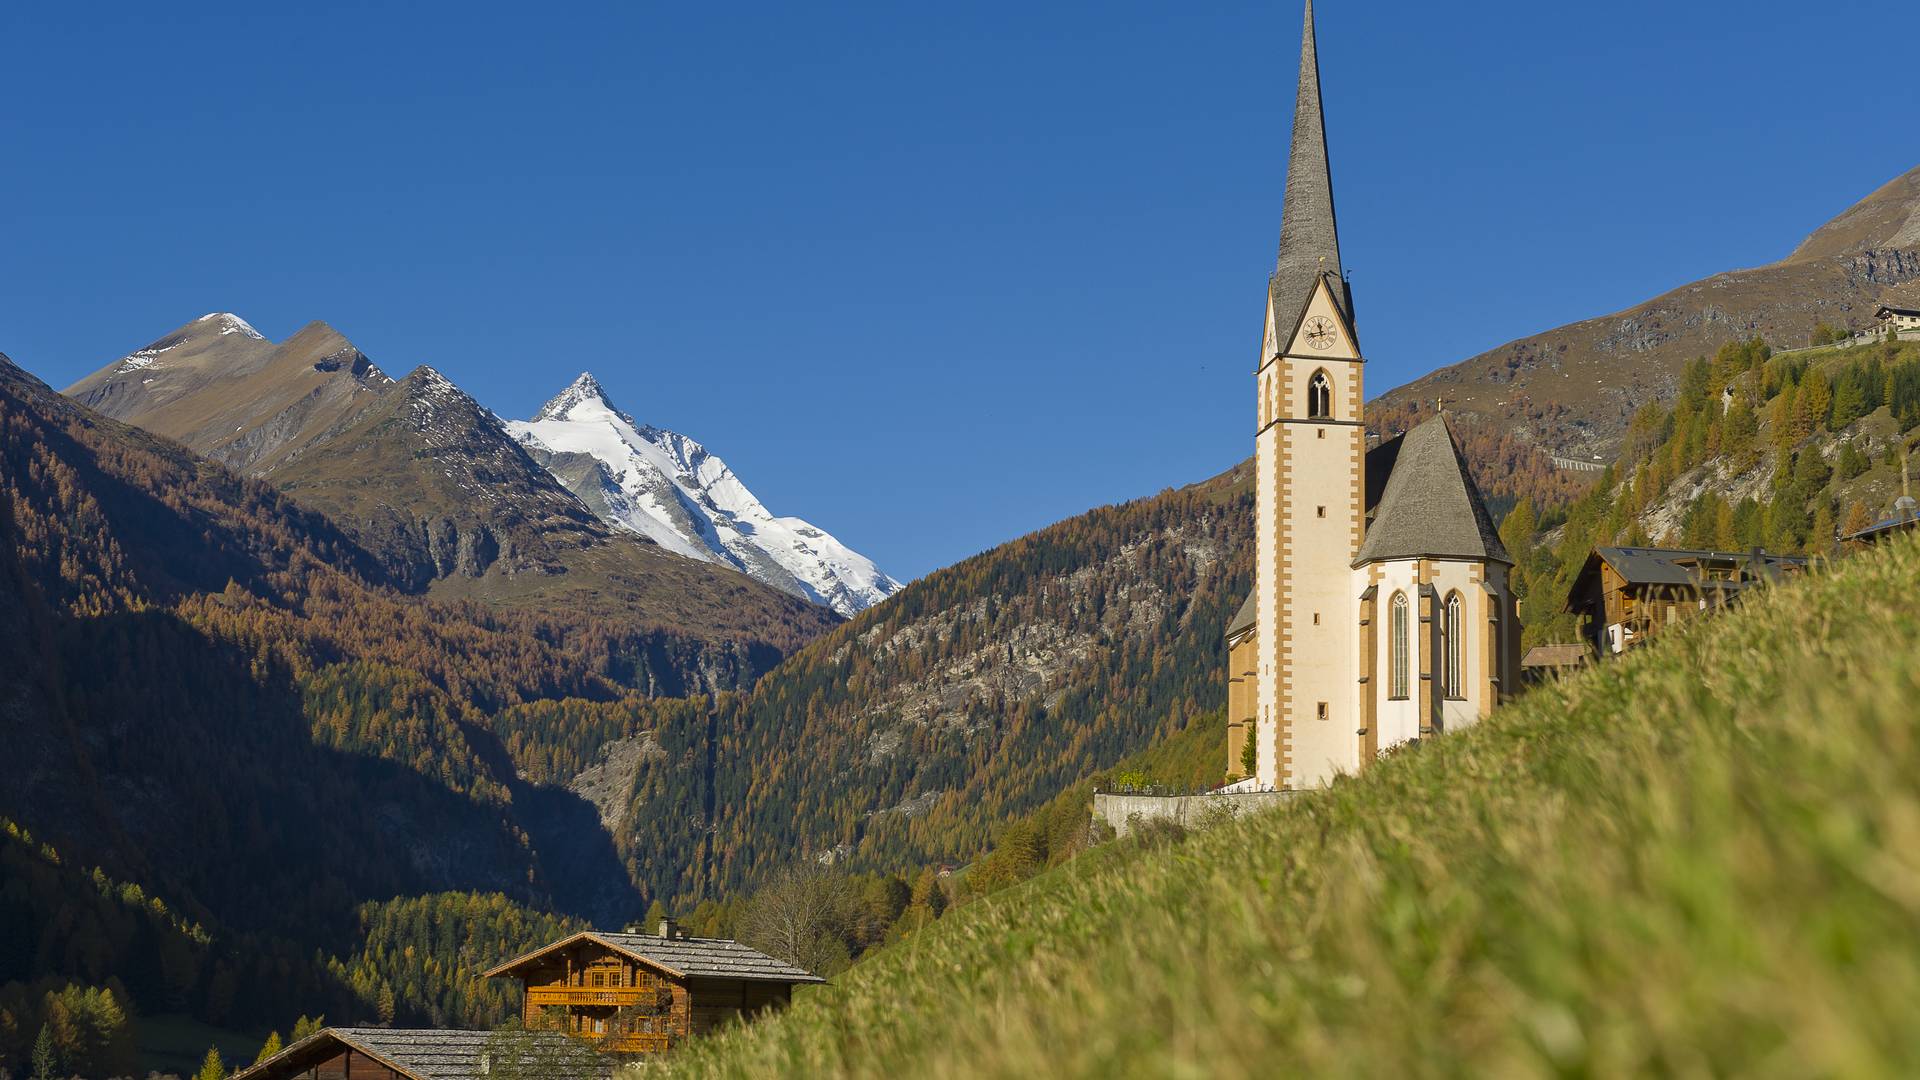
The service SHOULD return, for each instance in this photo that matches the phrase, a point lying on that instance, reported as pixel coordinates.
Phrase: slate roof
(1905, 516)
(1430, 507)
(1309, 240)
(706, 958)
(423, 1054)
(1681, 566)
(1243, 621)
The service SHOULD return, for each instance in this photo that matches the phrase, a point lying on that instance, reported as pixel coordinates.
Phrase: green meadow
(1703, 859)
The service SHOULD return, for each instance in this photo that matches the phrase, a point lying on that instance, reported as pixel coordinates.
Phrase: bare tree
(803, 916)
(516, 1053)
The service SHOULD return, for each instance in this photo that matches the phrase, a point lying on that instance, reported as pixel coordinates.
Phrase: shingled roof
(1688, 566)
(1431, 507)
(703, 958)
(1243, 621)
(421, 1054)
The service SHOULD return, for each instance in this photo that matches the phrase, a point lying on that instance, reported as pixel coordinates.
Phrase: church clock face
(1320, 332)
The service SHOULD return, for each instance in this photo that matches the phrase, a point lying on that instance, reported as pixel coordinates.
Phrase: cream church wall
(1325, 639)
(1399, 720)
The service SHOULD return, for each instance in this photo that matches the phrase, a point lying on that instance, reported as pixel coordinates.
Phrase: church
(1381, 610)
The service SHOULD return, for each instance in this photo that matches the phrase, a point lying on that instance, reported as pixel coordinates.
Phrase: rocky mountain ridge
(428, 480)
(1572, 390)
(670, 489)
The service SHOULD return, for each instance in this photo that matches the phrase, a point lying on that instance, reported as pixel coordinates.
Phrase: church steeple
(1309, 241)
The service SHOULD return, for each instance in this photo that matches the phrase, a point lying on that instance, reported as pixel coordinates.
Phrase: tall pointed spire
(1309, 243)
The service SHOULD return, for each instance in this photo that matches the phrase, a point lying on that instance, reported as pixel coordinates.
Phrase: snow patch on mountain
(232, 324)
(144, 359)
(668, 488)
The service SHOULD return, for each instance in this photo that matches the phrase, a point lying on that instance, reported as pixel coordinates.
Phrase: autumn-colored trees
(1713, 420)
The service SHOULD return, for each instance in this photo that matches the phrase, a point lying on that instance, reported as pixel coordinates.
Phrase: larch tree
(268, 1048)
(45, 1064)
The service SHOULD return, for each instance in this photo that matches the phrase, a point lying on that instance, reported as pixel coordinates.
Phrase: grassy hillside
(1699, 860)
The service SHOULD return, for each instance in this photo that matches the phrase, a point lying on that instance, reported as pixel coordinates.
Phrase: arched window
(1319, 396)
(1451, 645)
(1397, 647)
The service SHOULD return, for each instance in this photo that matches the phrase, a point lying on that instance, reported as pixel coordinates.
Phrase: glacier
(668, 488)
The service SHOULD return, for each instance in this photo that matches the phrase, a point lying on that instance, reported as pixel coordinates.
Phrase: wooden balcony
(636, 1042)
(540, 996)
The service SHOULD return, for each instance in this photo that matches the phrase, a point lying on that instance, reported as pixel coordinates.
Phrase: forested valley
(251, 782)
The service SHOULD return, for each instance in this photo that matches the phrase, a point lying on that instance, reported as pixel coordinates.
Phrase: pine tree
(1780, 416)
(656, 912)
(268, 1048)
(385, 1004)
(306, 1026)
(928, 894)
(213, 1067)
(1723, 527)
(1818, 397)
(1820, 540)
(1858, 518)
(1737, 431)
(44, 1062)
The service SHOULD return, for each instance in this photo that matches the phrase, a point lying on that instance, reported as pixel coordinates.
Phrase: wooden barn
(1627, 594)
(643, 993)
(398, 1054)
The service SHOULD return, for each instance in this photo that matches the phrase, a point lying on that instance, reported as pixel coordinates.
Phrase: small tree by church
(1250, 751)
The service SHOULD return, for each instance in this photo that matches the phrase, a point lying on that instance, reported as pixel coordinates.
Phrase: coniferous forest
(259, 783)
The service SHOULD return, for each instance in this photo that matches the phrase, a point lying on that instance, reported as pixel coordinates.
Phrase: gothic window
(1397, 647)
(1319, 397)
(1451, 645)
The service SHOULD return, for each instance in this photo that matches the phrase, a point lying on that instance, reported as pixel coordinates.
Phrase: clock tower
(1310, 450)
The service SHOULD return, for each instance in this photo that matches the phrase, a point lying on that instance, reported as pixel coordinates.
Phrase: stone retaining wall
(1119, 811)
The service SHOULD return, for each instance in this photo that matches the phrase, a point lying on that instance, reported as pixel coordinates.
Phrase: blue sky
(930, 275)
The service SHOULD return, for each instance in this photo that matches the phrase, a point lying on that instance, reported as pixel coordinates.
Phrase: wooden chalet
(1627, 594)
(399, 1054)
(1891, 318)
(644, 993)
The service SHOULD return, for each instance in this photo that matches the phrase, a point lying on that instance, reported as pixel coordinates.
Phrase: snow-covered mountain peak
(229, 323)
(670, 489)
(584, 392)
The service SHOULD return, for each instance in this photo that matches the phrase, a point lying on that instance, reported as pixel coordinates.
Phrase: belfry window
(1450, 646)
(1319, 397)
(1397, 647)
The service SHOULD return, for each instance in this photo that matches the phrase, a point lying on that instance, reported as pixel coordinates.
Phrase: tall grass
(1701, 860)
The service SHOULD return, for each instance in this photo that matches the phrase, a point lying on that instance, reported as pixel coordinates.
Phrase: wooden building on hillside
(1627, 594)
(1904, 516)
(1896, 319)
(644, 993)
(398, 1054)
